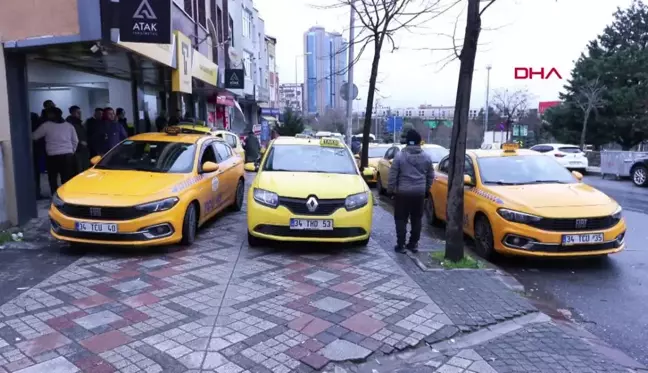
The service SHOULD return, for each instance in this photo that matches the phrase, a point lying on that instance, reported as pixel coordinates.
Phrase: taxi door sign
(331, 142)
(181, 76)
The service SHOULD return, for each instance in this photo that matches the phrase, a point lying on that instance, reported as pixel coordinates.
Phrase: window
(444, 165)
(219, 24)
(150, 156)
(208, 155)
(310, 158)
(188, 7)
(523, 169)
(223, 153)
(435, 153)
(231, 32)
(389, 154)
(247, 24)
(230, 140)
(542, 148)
(271, 64)
(376, 152)
(247, 65)
(202, 12)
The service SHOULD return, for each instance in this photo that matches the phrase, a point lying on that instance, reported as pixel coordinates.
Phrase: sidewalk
(220, 306)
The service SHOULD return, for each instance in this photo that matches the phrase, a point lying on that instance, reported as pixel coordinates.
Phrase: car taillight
(559, 155)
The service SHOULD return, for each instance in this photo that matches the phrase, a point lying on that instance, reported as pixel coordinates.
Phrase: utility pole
(488, 69)
(349, 103)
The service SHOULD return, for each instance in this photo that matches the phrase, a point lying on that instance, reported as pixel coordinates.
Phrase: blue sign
(270, 111)
(265, 130)
(394, 124)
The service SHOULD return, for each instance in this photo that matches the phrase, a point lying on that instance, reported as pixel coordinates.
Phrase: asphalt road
(607, 296)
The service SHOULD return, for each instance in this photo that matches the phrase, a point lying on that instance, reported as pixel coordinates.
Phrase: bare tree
(511, 105)
(590, 97)
(379, 21)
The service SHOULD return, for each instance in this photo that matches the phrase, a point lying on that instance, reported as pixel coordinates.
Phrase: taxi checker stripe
(487, 195)
(187, 183)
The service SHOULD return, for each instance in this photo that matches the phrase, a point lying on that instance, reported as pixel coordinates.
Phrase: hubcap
(639, 176)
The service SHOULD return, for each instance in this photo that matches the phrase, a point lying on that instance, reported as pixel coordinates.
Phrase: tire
(484, 238)
(639, 175)
(379, 185)
(239, 196)
(254, 241)
(189, 225)
(430, 212)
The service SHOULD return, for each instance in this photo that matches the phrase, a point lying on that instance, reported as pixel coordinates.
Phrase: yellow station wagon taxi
(151, 189)
(520, 202)
(436, 152)
(230, 138)
(309, 190)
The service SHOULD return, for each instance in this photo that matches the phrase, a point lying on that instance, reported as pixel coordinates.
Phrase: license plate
(574, 162)
(582, 239)
(95, 227)
(311, 224)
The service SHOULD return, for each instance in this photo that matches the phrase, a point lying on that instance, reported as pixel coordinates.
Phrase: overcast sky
(530, 33)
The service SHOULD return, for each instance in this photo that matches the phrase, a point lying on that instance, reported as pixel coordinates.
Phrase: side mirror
(209, 167)
(94, 160)
(577, 175)
(250, 167)
(468, 180)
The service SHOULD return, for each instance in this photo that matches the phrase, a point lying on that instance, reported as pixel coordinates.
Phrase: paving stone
(331, 304)
(98, 319)
(321, 276)
(58, 365)
(341, 350)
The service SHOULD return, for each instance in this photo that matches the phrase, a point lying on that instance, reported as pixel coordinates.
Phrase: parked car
(570, 156)
(639, 172)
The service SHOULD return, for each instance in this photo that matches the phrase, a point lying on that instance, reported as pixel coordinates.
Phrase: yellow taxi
(520, 202)
(230, 138)
(151, 189)
(436, 152)
(309, 190)
(376, 152)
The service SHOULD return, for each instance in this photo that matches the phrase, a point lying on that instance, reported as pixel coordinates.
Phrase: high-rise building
(325, 70)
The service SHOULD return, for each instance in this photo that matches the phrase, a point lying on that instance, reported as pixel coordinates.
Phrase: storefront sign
(234, 78)
(204, 69)
(162, 53)
(145, 21)
(181, 76)
(270, 111)
(265, 130)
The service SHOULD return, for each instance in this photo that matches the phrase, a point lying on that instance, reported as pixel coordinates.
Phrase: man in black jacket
(92, 125)
(82, 153)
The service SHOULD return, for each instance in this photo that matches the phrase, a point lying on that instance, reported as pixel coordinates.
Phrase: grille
(105, 213)
(283, 231)
(324, 207)
(569, 225)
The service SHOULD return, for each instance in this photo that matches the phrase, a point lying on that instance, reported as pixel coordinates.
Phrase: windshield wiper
(547, 182)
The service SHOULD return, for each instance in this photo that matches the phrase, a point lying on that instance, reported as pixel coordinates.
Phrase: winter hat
(412, 137)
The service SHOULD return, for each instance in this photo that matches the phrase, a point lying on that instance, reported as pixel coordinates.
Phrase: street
(606, 296)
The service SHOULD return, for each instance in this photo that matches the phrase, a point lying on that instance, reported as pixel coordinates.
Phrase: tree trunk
(364, 157)
(455, 207)
(584, 130)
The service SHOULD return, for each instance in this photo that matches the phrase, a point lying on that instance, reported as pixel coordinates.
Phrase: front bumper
(572, 164)
(274, 224)
(142, 231)
(370, 175)
(542, 243)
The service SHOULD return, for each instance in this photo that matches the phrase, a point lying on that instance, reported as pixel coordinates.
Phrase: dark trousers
(82, 156)
(408, 207)
(38, 156)
(63, 165)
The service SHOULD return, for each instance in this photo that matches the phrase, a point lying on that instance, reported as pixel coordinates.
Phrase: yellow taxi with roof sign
(520, 202)
(230, 138)
(436, 152)
(151, 189)
(309, 190)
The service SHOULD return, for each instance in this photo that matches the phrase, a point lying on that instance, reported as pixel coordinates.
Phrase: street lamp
(488, 69)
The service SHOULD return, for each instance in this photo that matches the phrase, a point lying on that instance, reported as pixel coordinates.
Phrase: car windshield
(310, 158)
(150, 156)
(377, 152)
(436, 153)
(523, 169)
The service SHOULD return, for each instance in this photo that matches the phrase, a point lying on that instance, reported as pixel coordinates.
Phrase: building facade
(325, 69)
(273, 75)
(291, 96)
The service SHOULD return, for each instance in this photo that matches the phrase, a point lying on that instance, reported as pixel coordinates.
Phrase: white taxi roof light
(330, 142)
(510, 147)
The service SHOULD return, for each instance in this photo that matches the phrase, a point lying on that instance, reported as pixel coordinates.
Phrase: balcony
(261, 94)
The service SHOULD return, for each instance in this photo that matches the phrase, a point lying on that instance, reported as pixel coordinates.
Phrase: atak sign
(529, 73)
(145, 21)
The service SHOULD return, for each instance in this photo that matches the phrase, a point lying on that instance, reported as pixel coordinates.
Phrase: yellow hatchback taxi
(230, 138)
(151, 189)
(436, 152)
(309, 190)
(520, 202)
(376, 152)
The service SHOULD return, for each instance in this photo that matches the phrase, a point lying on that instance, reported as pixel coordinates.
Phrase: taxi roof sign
(331, 142)
(510, 147)
(173, 130)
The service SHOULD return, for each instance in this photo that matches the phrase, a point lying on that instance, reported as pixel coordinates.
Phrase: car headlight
(518, 217)
(157, 206)
(57, 201)
(617, 215)
(356, 201)
(266, 197)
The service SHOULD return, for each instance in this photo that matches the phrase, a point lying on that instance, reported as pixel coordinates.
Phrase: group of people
(68, 144)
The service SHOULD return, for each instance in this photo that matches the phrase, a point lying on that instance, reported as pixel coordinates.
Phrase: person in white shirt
(60, 144)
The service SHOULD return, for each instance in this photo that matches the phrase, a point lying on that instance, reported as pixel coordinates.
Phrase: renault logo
(95, 211)
(581, 223)
(145, 11)
(312, 204)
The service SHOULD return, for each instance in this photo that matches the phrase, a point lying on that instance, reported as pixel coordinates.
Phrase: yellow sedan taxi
(436, 152)
(230, 138)
(520, 202)
(309, 190)
(376, 152)
(151, 189)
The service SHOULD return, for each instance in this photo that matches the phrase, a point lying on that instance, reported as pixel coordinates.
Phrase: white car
(570, 156)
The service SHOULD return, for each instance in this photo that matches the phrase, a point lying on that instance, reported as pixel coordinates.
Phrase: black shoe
(413, 247)
(399, 249)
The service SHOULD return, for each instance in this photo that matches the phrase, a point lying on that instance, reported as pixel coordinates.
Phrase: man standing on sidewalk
(410, 179)
(109, 134)
(82, 154)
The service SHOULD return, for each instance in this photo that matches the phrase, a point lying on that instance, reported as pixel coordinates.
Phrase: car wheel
(254, 241)
(379, 185)
(484, 238)
(640, 176)
(430, 213)
(189, 225)
(239, 196)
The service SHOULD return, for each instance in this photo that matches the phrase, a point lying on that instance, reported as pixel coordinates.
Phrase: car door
(440, 188)
(383, 166)
(208, 198)
(227, 162)
(470, 197)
